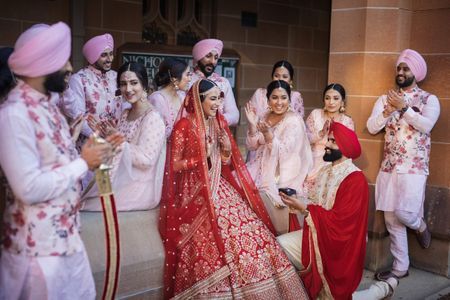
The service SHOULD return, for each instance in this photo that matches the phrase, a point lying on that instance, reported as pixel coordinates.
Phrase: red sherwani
(338, 240)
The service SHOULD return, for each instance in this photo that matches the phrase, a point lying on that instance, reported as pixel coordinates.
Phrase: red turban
(346, 140)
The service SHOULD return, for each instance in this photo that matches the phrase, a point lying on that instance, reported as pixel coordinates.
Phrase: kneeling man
(331, 248)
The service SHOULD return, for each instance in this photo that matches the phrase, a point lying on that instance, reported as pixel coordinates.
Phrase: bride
(217, 235)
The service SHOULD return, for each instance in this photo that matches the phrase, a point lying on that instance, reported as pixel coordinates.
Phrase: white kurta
(41, 219)
(138, 168)
(404, 169)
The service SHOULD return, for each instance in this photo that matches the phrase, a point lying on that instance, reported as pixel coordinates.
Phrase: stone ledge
(142, 252)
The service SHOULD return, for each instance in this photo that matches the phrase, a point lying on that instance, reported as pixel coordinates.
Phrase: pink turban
(204, 47)
(96, 46)
(346, 140)
(415, 62)
(41, 50)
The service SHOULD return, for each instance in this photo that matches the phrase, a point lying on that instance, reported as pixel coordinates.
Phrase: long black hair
(7, 81)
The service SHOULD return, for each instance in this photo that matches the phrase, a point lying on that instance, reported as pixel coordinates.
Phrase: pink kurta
(314, 124)
(138, 168)
(168, 108)
(285, 161)
(41, 218)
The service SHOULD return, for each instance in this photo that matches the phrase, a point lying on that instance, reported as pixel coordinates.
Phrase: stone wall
(366, 38)
(294, 30)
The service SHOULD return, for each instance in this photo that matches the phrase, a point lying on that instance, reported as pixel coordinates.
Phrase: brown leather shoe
(424, 238)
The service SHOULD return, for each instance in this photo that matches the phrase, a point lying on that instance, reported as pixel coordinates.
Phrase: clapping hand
(224, 141)
(395, 99)
(250, 112)
(325, 129)
(75, 127)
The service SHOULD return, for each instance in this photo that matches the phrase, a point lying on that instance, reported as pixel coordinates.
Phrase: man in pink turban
(91, 91)
(408, 115)
(206, 54)
(332, 243)
(43, 255)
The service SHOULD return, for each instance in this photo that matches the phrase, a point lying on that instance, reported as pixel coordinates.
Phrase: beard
(407, 82)
(332, 155)
(56, 82)
(202, 68)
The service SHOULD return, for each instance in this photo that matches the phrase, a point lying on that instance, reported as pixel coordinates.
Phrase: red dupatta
(187, 214)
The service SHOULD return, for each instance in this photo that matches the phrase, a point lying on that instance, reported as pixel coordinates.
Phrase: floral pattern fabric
(406, 148)
(91, 91)
(49, 227)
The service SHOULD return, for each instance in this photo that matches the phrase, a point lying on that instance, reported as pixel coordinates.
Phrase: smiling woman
(318, 123)
(216, 233)
(282, 152)
(138, 165)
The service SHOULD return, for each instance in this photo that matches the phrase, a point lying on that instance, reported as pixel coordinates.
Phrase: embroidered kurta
(91, 91)
(138, 167)
(228, 108)
(259, 102)
(42, 169)
(314, 124)
(406, 155)
(168, 108)
(285, 161)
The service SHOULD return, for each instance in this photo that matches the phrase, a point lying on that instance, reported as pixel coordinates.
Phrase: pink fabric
(415, 62)
(346, 140)
(41, 50)
(204, 47)
(96, 46)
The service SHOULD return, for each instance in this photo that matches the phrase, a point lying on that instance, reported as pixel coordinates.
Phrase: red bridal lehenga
(218, 237)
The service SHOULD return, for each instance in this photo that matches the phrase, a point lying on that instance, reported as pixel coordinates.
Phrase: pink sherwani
(229, 108)
(401, 182)
(43, 254)
(91, 91)
(314, 123)
(138, 168)
(259, 102)
(167, 108)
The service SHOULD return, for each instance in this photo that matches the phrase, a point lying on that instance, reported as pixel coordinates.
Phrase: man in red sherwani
(332, 245)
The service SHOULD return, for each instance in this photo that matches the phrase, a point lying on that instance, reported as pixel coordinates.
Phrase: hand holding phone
(287, 191)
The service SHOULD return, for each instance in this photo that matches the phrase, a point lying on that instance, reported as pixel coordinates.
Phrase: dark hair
(138, 69)
(285, 64)
(168, 69)
(204, 86)
(6, 78)
(278, 84)
(337, 87)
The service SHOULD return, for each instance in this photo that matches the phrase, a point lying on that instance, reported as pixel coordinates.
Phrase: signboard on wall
(151, 57)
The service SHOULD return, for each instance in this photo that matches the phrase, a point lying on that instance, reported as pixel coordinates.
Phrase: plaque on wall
(151, 57)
